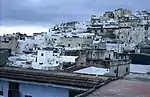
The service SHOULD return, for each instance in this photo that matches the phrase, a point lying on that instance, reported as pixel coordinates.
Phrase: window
(109, 56)
(54, 54)
(79, 44)
(115, 71)
(129, 40)
(56, 62)
(95, 31)
(127, 70)
(68, 45)
(93, 54)
(36, 59)
(95, 47)
(40, 63)
(42, 54)
(1, 93)
(27, 96)
(122, 36)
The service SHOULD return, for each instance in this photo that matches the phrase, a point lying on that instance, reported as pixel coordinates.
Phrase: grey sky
(43, 12)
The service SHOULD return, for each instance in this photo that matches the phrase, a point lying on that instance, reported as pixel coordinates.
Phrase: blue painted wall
(4, 86)
(42, 91)
(36, 90)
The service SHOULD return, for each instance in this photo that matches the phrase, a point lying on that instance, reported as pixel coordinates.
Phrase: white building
(73, 43)
(68, 59)
(9, 42)
(22, 60)
(138, 68)
(25, 45)
(111, 23)
(131, 36)
(39, 40)
(144, 16)
(47, 58)
(114, 47)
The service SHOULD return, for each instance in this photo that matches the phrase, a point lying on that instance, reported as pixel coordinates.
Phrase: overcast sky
(47, 12)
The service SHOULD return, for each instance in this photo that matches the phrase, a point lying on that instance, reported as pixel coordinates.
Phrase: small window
(68, 45)
(109, 56)
(36, 59)
(95, 31)
(93, 54)
(95, 47)
(79, 44)
(122, 36)
(27, 96)
(56, 62)
(42, 54)
(127, 70)
(1, 93)
(115, 71)
(129, 40)
(40, 63)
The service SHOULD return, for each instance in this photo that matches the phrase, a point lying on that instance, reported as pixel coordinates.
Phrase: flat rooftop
(131, 86)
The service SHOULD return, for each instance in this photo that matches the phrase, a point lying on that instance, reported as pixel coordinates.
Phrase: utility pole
(118, 45)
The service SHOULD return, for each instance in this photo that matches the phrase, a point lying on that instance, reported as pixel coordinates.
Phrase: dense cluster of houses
(102, 39)
(77, 51)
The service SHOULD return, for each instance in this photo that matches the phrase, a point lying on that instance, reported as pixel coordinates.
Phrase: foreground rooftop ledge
(132, 85)
(45, 84)
(51, 77)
